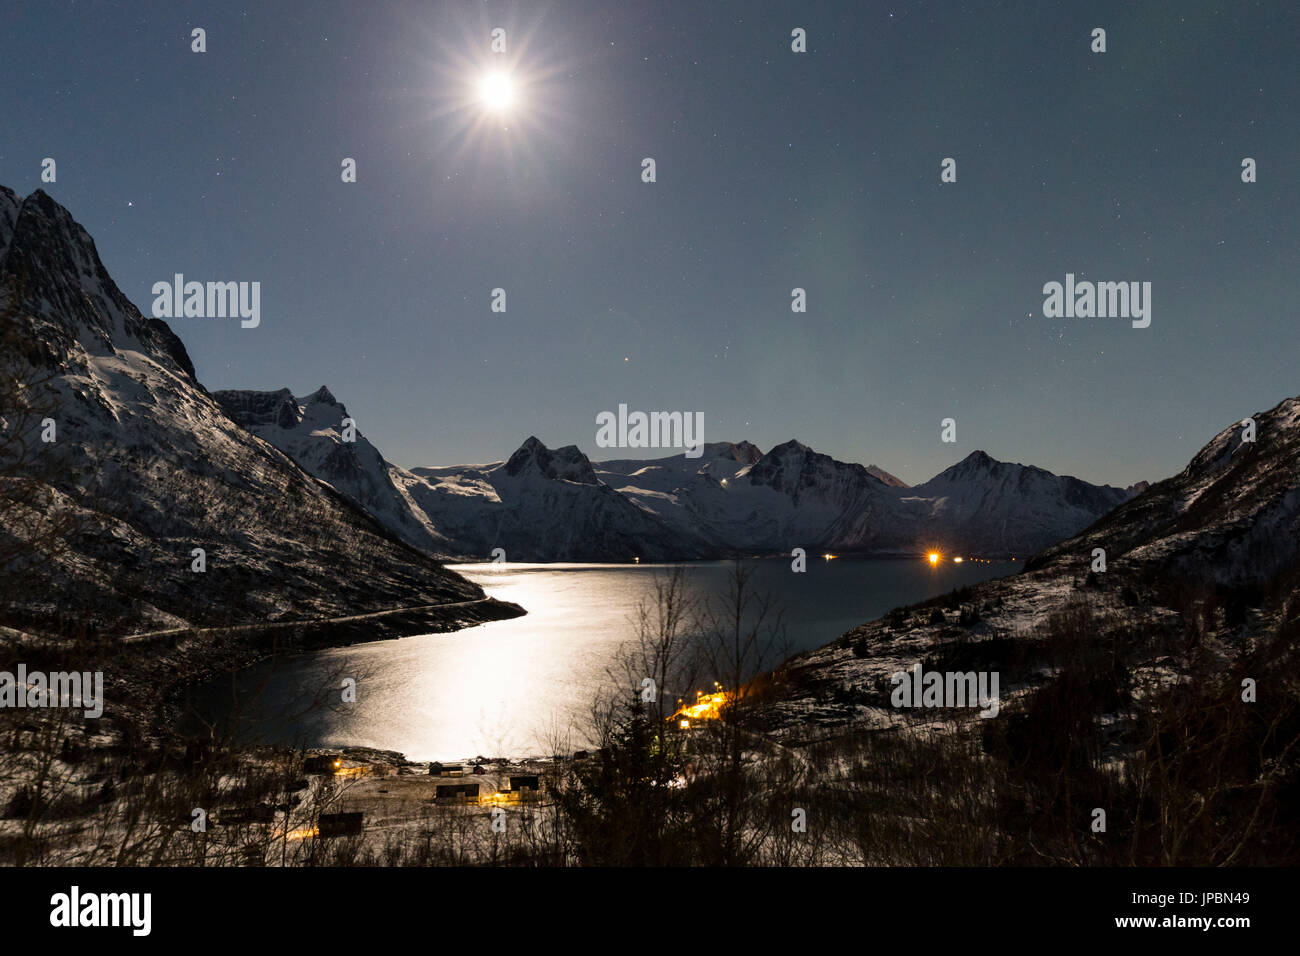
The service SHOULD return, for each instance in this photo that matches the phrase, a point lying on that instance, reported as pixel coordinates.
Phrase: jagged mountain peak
(978, 460)
(546, 504)
(49, 264)
(980, 465)
(318, 412)
(152, 467)
(310, 431)
(532, 444)
(321, 409)
(56, 260)
(566, 463)
(67, 251)
(251, 409)
(747, 453)
(788, 448)
(794, 454)
(797, 471)
(322, 396)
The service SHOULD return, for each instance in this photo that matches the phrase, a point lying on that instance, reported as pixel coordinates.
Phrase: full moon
(496, 91)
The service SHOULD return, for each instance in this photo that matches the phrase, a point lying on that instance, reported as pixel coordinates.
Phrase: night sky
(775, 169)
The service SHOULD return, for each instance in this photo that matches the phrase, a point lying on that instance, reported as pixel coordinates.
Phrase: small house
(524, 782)
(322, 763)
(456, 792)
(258, 813)
(340, 824)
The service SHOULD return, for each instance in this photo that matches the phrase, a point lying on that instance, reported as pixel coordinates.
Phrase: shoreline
(163, 665)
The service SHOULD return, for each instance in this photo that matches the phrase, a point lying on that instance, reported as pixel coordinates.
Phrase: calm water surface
(525, 686)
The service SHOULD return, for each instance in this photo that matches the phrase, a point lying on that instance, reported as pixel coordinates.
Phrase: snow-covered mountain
(311, 431)
(989, 506)
(543, 504)
(152, 468)
(1231, 518)
(546, 504)
(1207, 561)
(796, 497)
(664, 475)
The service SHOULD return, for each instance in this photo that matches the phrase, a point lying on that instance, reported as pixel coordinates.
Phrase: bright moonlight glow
(496, 91)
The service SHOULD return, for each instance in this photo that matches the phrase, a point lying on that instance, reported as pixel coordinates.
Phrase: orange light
(706, 707)
(934, 557)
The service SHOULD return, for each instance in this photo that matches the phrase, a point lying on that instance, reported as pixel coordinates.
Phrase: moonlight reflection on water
(526, 686)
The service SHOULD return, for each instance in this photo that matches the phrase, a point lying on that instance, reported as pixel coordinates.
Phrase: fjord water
(525, 686)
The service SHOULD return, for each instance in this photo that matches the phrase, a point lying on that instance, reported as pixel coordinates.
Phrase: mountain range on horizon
(296, 521)
(544, 504)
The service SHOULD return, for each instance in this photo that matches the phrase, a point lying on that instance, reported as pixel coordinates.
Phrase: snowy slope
(991, 506)
(665, 475)
(152, 468)
(1231, 517)
(1224, 532)
(735, 499)
(543, 505)
(310, 431)
(795, 497)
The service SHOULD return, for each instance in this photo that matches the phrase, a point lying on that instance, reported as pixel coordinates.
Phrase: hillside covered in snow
(161, 510)
(1201, 570)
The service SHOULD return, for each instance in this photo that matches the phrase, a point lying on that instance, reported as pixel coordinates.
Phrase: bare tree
(741, 637)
